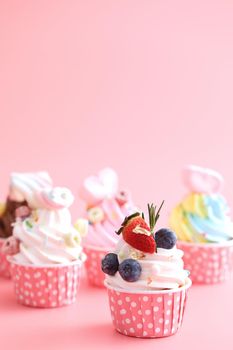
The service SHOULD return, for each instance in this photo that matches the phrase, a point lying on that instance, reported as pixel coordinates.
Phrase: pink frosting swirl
(106, 208)
(102, 233)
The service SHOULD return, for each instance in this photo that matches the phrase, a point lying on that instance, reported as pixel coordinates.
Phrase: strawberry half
(140, 241)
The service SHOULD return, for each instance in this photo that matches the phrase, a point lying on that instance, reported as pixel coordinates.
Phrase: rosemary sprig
(153, 215)
(158, 212)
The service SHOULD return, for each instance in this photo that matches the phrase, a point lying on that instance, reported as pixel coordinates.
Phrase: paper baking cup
(152, 314)
(208, 262)
(4, 263)
(46, 286)
(93, 262)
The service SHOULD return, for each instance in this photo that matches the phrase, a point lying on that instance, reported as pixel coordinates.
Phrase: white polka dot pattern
(46, 287)
(4, 263)
(147, 315)
(207, 264)
(95, 274)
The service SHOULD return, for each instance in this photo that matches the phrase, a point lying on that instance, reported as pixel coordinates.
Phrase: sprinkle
(149, 280)
(28, 223)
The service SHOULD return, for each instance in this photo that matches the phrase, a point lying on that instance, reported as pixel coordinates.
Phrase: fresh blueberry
(165, 238)
(130, 270)
(110, 264)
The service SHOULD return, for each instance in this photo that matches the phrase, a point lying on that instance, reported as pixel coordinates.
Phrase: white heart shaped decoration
(202, 180)
(96, 188)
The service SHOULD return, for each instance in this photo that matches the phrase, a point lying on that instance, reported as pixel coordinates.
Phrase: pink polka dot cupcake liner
(152, 314)
(208, 262)
(4, 263)
(95, 274)
(46, 286)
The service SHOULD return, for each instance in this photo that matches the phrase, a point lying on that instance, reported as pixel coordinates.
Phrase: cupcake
(146, 281)
(204, 227)
(106, 208)
(19, 202)
(48, 255)
(4, 264)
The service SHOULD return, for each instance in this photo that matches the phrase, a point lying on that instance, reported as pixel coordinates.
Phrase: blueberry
(110, 264)
(130, 270)
(165, 238)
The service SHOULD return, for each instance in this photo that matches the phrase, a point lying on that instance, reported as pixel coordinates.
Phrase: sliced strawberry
(139, 241)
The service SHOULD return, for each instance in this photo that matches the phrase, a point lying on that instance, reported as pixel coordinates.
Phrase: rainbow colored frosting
(203, 215)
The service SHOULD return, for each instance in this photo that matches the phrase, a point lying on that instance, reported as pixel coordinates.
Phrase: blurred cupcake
(4, 264)
(147, 284)
(204, 227)
(47, 256)
(106, 208)
(19, 199)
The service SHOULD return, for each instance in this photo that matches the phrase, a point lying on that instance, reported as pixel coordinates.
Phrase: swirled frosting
(47, 236)
(27, 187)
(202, 218)
(203, 215)
(160, 270)
(102, 233)
(106, 208)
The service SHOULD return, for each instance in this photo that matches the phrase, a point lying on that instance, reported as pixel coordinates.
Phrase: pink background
(143, 86)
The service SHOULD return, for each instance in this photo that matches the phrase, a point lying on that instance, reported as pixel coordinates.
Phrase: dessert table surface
(87, 324)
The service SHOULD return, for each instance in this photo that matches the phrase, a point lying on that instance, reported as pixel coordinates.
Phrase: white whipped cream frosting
(48, 236)
(163, 269)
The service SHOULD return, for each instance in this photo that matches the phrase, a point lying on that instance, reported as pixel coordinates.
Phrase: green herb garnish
(153, 215)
